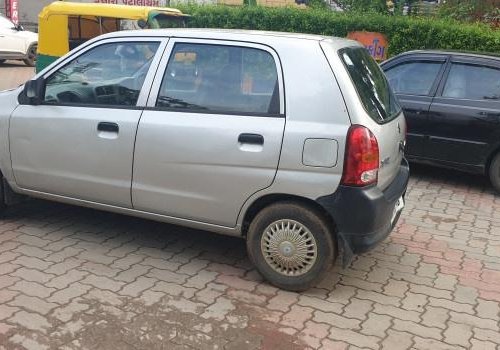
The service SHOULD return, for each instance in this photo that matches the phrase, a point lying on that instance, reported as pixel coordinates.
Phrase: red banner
(12, 10)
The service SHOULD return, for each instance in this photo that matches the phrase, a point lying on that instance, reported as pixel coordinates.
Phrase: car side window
(473, 82)
(413, 78)
(107, 75)
(220, 79)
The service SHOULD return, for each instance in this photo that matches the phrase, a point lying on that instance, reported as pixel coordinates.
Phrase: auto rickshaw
(62, 26)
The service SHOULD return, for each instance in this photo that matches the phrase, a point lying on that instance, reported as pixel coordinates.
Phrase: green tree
(468, 10)
(363, 5)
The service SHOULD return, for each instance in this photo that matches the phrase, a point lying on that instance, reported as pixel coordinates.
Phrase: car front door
(414, 79)
(465, 114)
(79, 142)
(212, 133)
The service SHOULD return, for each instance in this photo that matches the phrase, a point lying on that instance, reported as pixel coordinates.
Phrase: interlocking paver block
(65, 313)
(354, 338)
(397, 340)
(435, 317)
(31, 321)
(432, 284)
(33, 303)
(219, 309)
(283, 300)
(336, 320)
(458, 334)
(376, 325)
(65, 295)
(297, 316)
(102, 282)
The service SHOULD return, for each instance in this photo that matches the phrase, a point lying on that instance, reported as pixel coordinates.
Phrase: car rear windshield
(370, 82)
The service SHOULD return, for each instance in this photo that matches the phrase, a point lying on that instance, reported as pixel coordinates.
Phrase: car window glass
(110, 74)
(473, 82)
(414, 78)
(371, 85)
(219, 78)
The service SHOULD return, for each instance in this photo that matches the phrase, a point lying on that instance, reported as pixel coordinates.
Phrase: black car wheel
(291, 246)
(30, 60)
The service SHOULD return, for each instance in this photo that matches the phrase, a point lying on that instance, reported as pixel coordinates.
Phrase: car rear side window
(473, 82)
(413, 78)
(220, 79)
(373, 88)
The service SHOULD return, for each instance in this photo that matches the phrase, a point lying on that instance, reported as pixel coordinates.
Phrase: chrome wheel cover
(289, 248)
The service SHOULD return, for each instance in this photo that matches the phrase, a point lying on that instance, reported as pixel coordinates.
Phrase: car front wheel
(290, 245)
(30, 59)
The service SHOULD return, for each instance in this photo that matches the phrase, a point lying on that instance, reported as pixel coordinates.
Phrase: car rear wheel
(494, 172)
(30, 59)
(290, 245)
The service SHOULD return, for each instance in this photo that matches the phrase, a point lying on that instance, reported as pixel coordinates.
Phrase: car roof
(454, 53)
(226, 34)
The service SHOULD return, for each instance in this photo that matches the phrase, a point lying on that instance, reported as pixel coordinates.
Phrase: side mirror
(35, 91)
(142, 24)
(18, 27)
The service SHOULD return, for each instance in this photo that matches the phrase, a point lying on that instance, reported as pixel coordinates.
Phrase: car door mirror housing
(35, 91)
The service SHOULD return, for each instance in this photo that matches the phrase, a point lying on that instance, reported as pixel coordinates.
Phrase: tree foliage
(404, 33)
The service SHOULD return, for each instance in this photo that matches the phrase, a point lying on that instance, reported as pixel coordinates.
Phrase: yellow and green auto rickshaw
(62, 26)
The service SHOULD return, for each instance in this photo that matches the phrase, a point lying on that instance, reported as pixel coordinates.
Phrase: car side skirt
(228, 231)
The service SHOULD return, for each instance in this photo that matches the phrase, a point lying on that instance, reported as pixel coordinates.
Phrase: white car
(17, 43)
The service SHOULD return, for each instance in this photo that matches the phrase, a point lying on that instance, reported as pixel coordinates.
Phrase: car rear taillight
(362, 157)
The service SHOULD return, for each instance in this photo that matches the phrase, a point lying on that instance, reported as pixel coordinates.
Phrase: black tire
(2, 61)
(3, 205)
(316, 226)
(494, 172)
(30, 59)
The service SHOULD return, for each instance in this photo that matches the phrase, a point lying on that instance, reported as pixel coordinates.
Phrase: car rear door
(465, 114)
(414, 79)
(79, 142)
(212, 133)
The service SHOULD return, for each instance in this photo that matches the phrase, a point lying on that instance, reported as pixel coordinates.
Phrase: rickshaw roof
(103, 10)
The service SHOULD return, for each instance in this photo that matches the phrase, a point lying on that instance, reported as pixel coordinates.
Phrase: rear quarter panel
(314, 109)
(389, 134)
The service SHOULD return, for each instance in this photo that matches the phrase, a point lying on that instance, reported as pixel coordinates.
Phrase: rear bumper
(363, 215)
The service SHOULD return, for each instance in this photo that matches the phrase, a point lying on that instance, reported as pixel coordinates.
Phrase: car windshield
(371, 84)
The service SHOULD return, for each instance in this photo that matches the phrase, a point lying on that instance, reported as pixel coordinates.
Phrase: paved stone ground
(14, 73)
(74, 278)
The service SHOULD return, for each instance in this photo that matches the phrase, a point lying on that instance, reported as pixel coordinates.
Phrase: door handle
(108, 127)
(254, 139)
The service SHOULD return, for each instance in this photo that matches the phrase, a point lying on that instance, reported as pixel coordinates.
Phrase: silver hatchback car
(293, 142)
